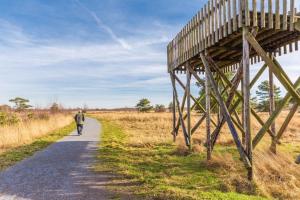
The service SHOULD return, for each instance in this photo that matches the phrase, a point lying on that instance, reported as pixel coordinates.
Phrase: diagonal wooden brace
(226, 115)
(277, 70)
(274, 115)
(187, 139)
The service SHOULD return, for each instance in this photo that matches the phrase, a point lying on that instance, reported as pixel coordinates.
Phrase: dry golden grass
(277, 176)
(27, 131)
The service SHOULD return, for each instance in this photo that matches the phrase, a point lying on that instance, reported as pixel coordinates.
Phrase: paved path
(62, 171)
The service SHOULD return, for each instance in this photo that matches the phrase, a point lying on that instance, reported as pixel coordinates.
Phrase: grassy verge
(14, 155)
(158, 172)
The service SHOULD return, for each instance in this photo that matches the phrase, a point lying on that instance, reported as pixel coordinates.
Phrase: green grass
(14, 155)
(157, 172)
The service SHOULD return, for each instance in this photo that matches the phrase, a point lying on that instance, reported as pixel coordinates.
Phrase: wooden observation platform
(229, 36)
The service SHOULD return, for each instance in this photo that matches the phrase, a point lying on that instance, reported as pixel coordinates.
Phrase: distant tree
(160, 108)
(54, 108)
(144, 105)
(20, 103)
(263, 96)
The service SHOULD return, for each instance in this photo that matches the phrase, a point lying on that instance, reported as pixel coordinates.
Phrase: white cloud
(99, 22)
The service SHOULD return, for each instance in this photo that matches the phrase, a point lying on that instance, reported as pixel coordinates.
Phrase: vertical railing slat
(209, 24)
(229, 17)
(216, 21)
(240, 13)
(205, 28)
(224, 19)
(262, 14)
(247, 13)
(277, 15)
(234, 22)
(284, 22)
(254, 8)
(292, 14)
(201, 30)
(220, 20)
(212, 8)
(270, 12)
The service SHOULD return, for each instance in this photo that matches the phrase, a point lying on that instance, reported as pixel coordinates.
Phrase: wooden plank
(208, 24)
(292, 14)
(240, 13)
(229, 17)
(212, 19)
(202, 30)
(216, 21)
(234, 19)
(220, 20)
(284, 17)
(263, 14)
(277, 15)
(270, 13)
(247, 13)
(198, 32)
(224, 19)
(254, 11)
(205, 27)
(207, 108)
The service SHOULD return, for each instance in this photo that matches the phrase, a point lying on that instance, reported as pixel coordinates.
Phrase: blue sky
(103, 53)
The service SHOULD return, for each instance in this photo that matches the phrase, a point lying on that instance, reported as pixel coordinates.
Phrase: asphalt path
(61, 171)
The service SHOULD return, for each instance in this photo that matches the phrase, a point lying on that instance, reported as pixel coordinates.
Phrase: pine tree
(144, 105)
(20, 103)
(263, 96)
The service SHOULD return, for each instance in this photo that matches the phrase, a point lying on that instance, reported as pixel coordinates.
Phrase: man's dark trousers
(79, 129)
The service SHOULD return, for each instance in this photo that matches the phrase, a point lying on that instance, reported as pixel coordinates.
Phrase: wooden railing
(220, 18)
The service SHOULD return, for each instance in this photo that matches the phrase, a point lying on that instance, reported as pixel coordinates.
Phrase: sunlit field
(139, 146)
(27, 130)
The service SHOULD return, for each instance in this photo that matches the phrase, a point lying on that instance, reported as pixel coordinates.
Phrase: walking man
(79, 119)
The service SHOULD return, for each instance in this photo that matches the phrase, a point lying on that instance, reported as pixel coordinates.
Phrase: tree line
(260, 102)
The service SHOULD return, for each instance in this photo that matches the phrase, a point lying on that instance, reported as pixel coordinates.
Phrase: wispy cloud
(100, 24)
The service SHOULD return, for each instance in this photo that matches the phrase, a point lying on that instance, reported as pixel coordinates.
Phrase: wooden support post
(174, 117)
(179, 110)
(246, 91)
(226, 115)
(207, 104)
(271, 109)
(243, 115)
(188, 105)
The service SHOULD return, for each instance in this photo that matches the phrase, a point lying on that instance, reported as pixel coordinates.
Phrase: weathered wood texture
(217, 29)
(230, 35)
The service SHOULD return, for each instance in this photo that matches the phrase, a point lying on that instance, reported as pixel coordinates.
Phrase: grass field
(22, 140)
(138, 149)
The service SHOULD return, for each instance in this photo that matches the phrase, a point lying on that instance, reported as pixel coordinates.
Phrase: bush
(160, 108)
(8, 118)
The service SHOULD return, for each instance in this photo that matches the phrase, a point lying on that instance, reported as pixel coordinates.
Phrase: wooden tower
(229, 36)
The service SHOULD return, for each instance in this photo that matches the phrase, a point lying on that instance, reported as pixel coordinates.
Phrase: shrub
(160, 108)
